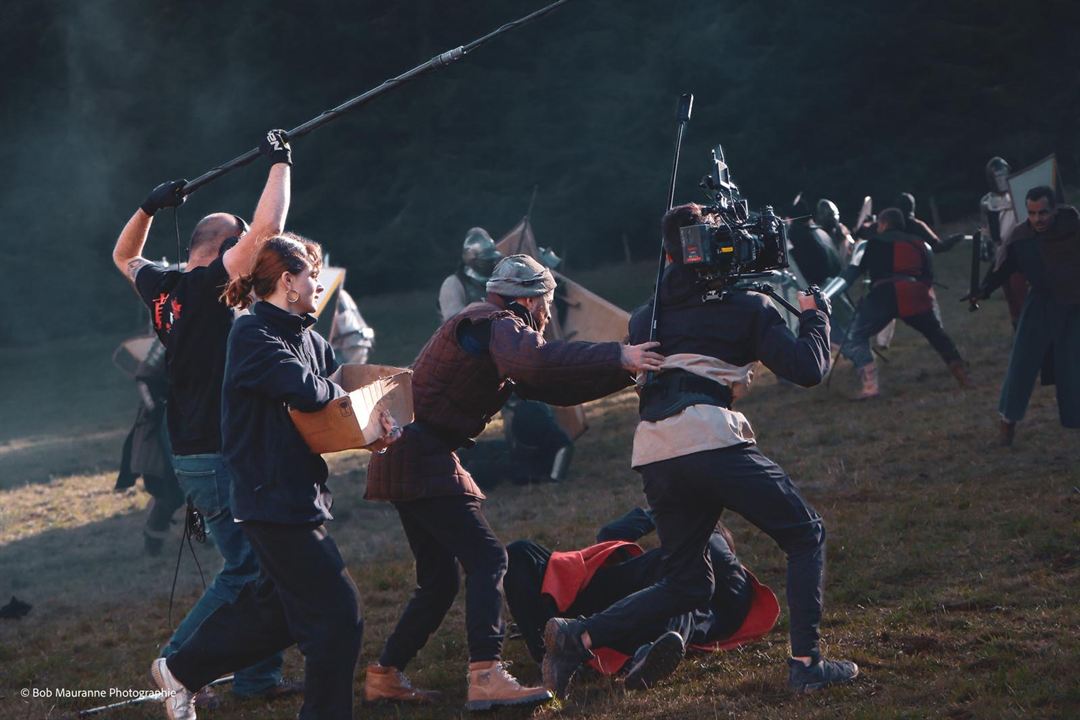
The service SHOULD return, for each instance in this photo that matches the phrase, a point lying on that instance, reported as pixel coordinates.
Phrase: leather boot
(1006, 433)
(490, 685)
(868, 376)
(959, 370)
(388, 684)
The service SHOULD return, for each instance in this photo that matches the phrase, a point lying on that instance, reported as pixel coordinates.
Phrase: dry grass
(952, 564)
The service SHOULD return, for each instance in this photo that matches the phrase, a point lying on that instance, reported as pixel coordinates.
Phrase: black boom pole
(435, 63)
(686, 105)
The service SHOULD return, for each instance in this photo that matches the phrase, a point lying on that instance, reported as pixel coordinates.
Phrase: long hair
(287, 252)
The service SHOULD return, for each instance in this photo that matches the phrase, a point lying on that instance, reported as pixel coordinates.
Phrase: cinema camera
(737, 243)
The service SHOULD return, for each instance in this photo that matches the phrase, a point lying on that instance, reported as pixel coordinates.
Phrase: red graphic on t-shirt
(166, 312)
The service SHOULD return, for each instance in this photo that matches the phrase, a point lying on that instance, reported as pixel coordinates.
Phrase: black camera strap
(675, 390)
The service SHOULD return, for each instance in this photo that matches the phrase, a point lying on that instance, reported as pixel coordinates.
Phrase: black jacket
(274, 362)
(742, 328)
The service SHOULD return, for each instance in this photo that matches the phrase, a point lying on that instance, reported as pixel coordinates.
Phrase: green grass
(953, 568)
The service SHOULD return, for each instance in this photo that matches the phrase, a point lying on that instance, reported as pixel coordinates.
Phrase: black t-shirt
(194, 325)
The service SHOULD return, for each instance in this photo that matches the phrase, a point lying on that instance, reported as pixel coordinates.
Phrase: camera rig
(735, 242)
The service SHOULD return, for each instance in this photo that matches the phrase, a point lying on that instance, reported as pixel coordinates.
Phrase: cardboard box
(353, 421)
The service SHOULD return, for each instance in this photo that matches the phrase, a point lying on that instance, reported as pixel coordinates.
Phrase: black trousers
(531, 610)
(442, 532)
(304, 595)
(687, 495)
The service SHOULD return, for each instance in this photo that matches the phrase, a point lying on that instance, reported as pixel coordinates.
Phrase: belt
(672, 391)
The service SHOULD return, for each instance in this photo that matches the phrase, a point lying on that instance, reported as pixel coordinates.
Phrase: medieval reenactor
(901, 286)
(999, 220)
(461, 378)
(468, 284)
(541, 584)
(1046, 249)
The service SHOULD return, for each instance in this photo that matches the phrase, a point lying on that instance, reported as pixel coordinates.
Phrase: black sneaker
(655, 661)
(819, 674)
(564, 653)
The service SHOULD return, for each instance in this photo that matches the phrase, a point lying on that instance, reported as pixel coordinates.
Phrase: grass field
(953, 564)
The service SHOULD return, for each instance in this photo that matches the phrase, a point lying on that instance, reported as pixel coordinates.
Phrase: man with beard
(1046, 249)
(462, 377)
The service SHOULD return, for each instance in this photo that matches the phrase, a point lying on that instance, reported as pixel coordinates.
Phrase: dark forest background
(103, 99)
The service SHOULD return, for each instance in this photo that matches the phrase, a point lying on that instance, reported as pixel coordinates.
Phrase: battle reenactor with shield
(999, 219)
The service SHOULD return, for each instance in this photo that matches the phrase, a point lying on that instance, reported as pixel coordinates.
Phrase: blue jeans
(876, 311)
(206, 480)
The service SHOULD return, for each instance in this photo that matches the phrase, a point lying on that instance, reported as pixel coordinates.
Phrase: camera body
(736, 242)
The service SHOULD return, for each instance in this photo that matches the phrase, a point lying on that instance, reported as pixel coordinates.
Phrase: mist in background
(101, 100)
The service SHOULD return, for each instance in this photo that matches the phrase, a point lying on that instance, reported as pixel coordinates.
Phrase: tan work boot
(869, 379)
(490, 685)
(959, 370)
(1006, 433)
(388, 684)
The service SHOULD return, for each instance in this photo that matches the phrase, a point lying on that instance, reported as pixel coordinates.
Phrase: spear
(436, 63)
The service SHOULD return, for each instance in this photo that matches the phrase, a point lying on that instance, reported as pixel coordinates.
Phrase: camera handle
(766, 289)
(682, 117)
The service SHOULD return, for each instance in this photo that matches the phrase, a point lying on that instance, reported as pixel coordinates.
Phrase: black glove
(275, 146)
(167, 194)
(822, 302)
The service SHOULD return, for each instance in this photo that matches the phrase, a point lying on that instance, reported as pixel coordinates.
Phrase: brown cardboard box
(353, 421)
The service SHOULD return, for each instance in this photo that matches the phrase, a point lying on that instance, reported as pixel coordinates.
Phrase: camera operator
(697, 457)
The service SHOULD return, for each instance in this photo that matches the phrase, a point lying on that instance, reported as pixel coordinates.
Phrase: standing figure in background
(827, 217)
(351, 337)
(1046, 249)
(147, 453)
(999, 220)
(468, 283)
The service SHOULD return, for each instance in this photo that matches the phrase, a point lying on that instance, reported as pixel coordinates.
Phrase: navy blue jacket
(739, 330)
(275, 362)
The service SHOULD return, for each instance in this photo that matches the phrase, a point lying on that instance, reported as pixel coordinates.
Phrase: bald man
(193, 324)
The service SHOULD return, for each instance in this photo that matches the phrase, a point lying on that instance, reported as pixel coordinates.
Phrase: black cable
(192, 517)
(176, 224)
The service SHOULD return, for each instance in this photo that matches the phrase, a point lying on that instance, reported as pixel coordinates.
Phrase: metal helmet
(478, 254)
(826, 214)
(521, 276)
(997, 174)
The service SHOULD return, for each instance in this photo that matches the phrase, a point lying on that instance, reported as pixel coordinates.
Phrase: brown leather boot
(868, 376)
(959, 370)
(388, 684)
(1006, 433)
(490, 685)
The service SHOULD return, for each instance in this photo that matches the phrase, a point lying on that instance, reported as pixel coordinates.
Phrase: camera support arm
(766, 289)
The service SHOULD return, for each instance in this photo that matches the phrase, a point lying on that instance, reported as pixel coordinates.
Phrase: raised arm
(273, 207)
(127, 255)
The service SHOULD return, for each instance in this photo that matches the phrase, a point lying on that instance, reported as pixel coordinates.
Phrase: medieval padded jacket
(463, 376)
